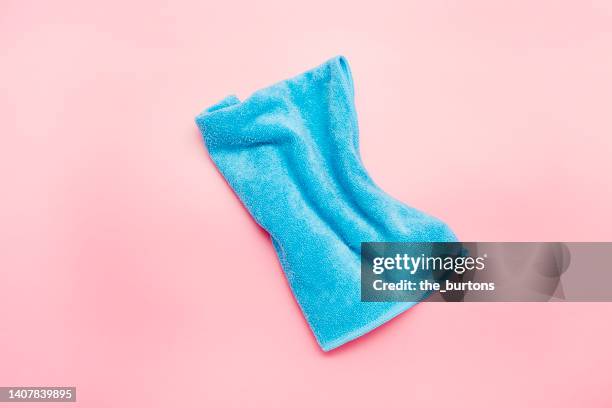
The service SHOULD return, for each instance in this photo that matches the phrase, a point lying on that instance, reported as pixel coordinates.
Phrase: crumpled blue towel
(291, 154)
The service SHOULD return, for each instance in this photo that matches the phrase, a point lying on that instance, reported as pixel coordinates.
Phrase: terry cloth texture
(291, 153)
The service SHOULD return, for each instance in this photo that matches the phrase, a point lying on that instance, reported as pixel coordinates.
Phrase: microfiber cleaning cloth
(291, 154)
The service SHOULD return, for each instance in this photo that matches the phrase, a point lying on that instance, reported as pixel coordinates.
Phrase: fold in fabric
(291, 154)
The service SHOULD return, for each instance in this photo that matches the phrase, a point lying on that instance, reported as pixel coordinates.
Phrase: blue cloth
(291, 154)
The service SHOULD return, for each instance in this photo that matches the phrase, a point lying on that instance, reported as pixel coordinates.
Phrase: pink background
(129, 269)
